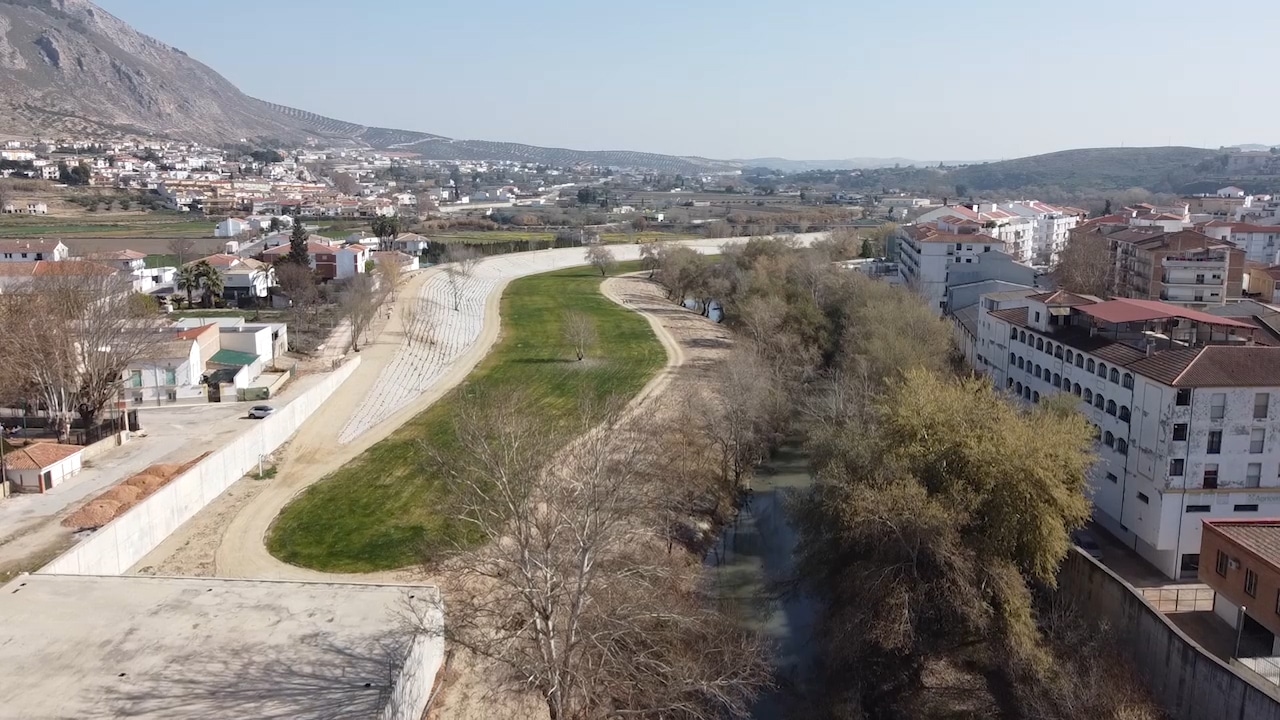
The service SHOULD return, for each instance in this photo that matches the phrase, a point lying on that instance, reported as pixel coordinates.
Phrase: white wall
(412, 689)
(118, 545)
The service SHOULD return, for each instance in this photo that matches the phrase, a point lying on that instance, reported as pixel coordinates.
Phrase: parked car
(258, 412)
(1086, 541)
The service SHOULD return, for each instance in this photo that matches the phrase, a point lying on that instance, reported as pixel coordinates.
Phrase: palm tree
(386, 228)
(187, 279)
(209, 277)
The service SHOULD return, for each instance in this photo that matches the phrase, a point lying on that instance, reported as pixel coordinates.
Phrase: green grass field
(386, 510)
(144, 226)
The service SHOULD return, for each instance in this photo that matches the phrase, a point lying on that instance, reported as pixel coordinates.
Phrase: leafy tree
(275, 225)
(1106, 207)
(78, 174)
(962, 190)
(867, 250)
(386, 228)
(298, 254)
(187, 280)
(602, 259)
(929, 524)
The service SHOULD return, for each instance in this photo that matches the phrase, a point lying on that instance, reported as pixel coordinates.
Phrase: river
(756, 554)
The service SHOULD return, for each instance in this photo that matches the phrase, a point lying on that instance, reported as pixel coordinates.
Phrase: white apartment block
(1034, 232)
(1260, 243)
(925, 256)
(1186, 407)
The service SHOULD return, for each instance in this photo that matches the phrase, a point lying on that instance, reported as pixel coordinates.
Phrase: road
(396, 381)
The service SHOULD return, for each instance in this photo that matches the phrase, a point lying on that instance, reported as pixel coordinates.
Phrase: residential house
(174, 369)
(33, 251)
(410, 243)
(27, 208)
(1185, 404)
(328, 261)
(1241, 562)
(406, 262)
(231, 227)
(42, 466)
(248, 280)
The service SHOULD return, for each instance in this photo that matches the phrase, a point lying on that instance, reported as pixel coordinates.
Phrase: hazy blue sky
(815, 79)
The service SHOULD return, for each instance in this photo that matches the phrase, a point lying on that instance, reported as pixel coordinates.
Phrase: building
(15, 274)
(1241, 562)
(41, 466)
(1184, 267)
(27, 208)
(410, 243)
(33, 251)
(231, 227)
(156, 648)
(875, 268)
(247, 280)
(174, 369)
(1186, 406)
(1032, 231)
(1260, 243)
(268, 341)
(926, 256)
(329, 262)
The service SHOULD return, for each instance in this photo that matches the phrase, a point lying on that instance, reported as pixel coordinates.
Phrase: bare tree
(572, 592)
(602, 259)
(71, 338)
(390, 273)
(184, 249)
(359, 302)
(1085, 265)
(461, 263)
(415, 322)
(579, 331)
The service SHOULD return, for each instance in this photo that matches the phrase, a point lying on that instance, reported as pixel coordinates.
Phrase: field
(386, 509)
(495, 236)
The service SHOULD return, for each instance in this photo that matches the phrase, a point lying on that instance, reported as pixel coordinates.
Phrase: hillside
(69, 68)
(1158, 169)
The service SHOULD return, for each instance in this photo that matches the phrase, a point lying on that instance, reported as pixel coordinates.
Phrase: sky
(817, 79)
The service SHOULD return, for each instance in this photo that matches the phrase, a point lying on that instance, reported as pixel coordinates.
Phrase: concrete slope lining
(418, 366)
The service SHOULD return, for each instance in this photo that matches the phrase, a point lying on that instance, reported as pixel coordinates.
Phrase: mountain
(1158, 169)
(69, 68)
(793, 166)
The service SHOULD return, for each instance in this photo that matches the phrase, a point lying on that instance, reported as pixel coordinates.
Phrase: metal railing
(1186, 598)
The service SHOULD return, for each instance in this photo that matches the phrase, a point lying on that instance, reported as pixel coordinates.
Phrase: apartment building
(1260, 243)
(1185, 404)
(926, 256)
(1183, 267)
(1033, 232)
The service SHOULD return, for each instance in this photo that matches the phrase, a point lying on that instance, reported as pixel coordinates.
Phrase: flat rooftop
(202, 648)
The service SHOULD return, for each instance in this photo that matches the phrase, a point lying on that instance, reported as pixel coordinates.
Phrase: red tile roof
(1124, 310)
(1260, 537)
(196, 332)
(38, 456)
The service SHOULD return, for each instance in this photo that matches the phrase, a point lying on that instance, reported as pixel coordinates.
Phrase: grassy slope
(385, 509)
(1158, 169)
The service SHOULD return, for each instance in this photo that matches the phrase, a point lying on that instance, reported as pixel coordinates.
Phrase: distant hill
(69, 68)
(794, 166)
(1158, 169)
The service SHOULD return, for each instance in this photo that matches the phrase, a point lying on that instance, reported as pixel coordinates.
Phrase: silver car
(258, 412)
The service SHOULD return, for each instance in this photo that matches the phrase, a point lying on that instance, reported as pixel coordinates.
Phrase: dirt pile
(114, 502)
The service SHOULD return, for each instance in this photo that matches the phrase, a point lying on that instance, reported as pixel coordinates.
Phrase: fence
(1193, 598)
(1268, 668)
(121, 543)
(1188, 682)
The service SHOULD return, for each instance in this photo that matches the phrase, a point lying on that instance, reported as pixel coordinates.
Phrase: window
(1102, 370)
(1111, 407)
(1115, 375)
(1035, 397)
(1112, 477)
(1122, 446)
(1071, 356)
(172, 395)
(1039, 342)
(1075, 388)
(1253, 475)
(1179, 432)
(1214, 444)
(1257, 439)
(1020, 363)
(1127, 381)
(1048, 347)
(170, 377)
(1245, 508)
(1184, 397)
(1109, 439)
(1037, 316)
(135, 378)
(1142, 498)
(1210, 476)
(1178, 465)
(1218, 406)
(1220, 565)
(1009, 383)
(1013, 333)
(1261, 402)
(1250, 583)
(1013, 359)
(1089, 365)
(1197, 508)
(1099, 401)
(1026, 392)
(1088, 395)
(1079, 361)
(1057, 380)
(1057, 352)
(1018, 388)
(1022, 336)
(1124, 413)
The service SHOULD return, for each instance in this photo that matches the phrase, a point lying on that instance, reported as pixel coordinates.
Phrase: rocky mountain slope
(69, 68)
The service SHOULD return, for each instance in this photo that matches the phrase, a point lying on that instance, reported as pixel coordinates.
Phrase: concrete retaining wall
(121, 543)
(412, 689)
(104, 445)
(1186, 680)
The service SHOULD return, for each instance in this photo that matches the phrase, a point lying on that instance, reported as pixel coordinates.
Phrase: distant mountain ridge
(69, 68)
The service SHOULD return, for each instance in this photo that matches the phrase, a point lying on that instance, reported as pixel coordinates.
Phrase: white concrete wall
(412, 689)
(120, 544)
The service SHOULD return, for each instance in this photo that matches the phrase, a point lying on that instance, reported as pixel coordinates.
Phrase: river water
(752, 564)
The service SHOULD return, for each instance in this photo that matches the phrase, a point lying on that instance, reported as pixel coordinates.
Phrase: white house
(27, 208)
(41, 466)
(230, 227)
(410, 243)
(174, 370)
(248, 278)
(1186, 410)
(32, 250)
